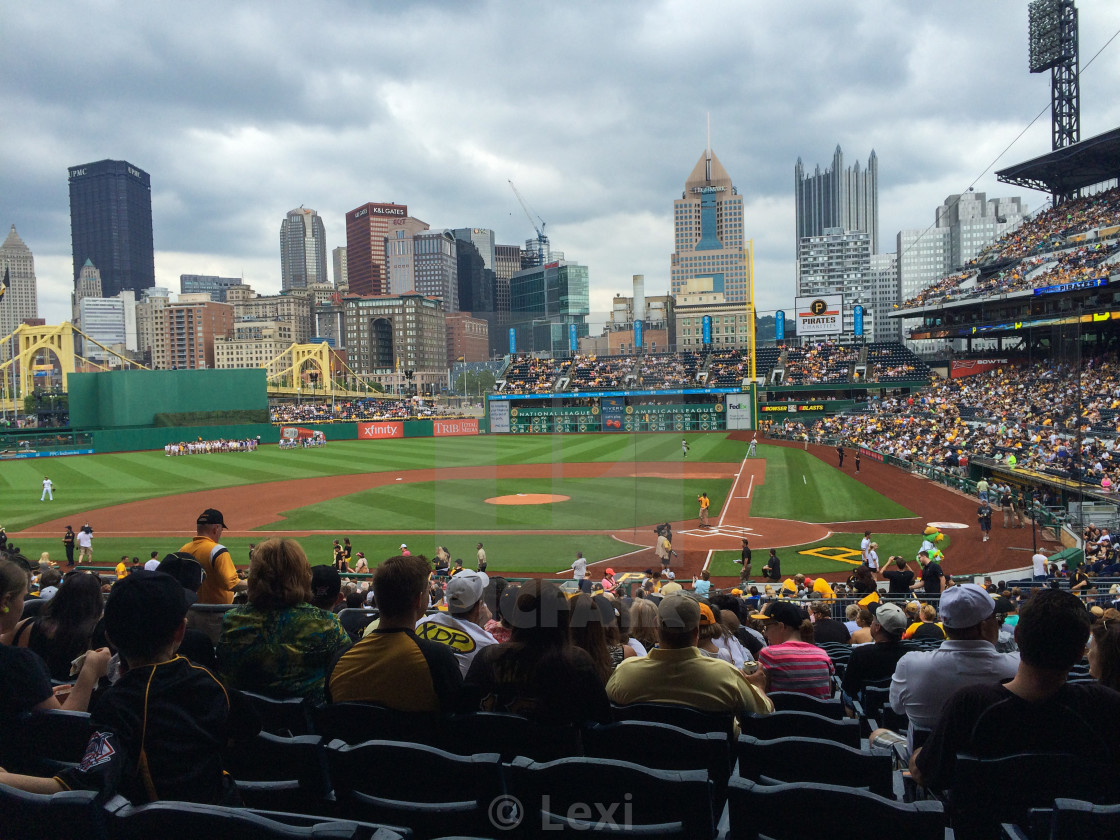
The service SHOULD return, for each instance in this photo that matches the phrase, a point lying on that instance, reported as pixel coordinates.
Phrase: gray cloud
(595, 110)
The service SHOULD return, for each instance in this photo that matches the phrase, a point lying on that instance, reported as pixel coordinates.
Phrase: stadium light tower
(1053, 47)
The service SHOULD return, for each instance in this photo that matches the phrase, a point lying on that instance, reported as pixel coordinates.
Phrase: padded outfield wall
(130, 398)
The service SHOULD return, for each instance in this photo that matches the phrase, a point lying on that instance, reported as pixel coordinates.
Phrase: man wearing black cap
(158, 732)
(787, 663)
(221, 575)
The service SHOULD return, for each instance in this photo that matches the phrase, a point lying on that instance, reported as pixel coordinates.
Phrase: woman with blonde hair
(279, 644)
(644, 624)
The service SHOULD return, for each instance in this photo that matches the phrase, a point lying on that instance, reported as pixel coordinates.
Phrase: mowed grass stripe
(595, 503)
(802, 487)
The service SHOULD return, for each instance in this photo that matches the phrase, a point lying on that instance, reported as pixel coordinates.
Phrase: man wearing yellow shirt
(221, 575)
(122, 568)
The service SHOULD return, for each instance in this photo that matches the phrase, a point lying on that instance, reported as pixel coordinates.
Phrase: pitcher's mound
(527, 499)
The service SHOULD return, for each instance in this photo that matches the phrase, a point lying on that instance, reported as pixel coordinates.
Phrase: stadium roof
(1062, 171)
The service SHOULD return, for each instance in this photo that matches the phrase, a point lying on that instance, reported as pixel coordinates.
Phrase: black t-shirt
(25, 683)
(775, 566)
(928, 630)
(830, 630)
(869, 663)
(552, 687)
(931, 578)
(745, 556)
(898, 580)
(158, 733)
(989, 721)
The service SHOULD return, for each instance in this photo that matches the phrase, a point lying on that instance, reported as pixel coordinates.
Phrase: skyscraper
(303, 250)
(838, 198)
(367, 227)
(338, 256)
(21, 300)
(708, 232)
(216, 287)
(111, 224)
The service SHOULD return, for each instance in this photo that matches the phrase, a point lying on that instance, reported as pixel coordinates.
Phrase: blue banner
(707, 328)
(512, 341)
(637, 335)
(780, 325)
(857, 320)
(573, 337)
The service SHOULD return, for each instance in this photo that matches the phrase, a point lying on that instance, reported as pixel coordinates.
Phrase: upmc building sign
(375, 431)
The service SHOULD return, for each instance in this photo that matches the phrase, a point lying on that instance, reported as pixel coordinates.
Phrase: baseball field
(533, 501)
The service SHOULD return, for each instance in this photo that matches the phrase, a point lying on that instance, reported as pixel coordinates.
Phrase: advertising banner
(454, 428)
(960, 368)
(499, 417)
(706, 327)
(780, 325)
(739, 412)
(857, 320)
(614, 414)
(637, 335)
(573, 337)
(381, 429)
(821, 315)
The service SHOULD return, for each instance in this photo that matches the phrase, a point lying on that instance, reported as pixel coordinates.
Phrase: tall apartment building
(389, 334)
(845, 198)
(185, 332)
(151, 300)
(468, 338)
(111, 224)
(708, 232)
(399, 257)
(254, 344)
(964, 225)
(21, 299)
(303, 249)
(883, 288)
(507, 262)
(294, 309)
(367, 228)
(338, 259)
(546, 304)
(838, 262)
(207, 284)
(730, 325)
(103, 328)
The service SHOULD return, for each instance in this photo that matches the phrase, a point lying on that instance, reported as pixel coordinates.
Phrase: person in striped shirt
(787, 663)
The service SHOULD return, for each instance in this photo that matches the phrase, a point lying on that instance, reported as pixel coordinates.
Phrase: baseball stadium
(667, 593)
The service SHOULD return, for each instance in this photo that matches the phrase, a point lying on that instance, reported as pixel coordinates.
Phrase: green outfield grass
(844, 545)
(459, 505)
(803, 487)
(797, 487)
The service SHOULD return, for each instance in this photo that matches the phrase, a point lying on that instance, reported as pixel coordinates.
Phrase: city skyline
(239, 117)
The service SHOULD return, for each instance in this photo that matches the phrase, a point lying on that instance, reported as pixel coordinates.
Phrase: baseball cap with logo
(465, 590)
(211, 517)
(783, 612)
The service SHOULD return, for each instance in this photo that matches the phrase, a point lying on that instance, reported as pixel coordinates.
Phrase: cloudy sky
(596, 111)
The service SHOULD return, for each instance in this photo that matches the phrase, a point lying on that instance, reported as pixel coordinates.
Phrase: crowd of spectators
(557, 659)
(595, 373)
(821, 362)
(363, 408)
(1026, 416)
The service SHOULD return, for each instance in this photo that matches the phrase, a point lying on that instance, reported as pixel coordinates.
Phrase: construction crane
(542, 240)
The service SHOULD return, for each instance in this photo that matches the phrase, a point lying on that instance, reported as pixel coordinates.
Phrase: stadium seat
(674, 715)
(575, 797)
(69, 815)
(290, 716)
(662, 747)
(799, 759)
(795, 701)
(431, 791)
(354, 620)
(41, 743)
(784, 812)
(1075, 819)
(508, 735)
(282, 774)
(980, 798)
(354, 723)
(167, 820)
(801, 724)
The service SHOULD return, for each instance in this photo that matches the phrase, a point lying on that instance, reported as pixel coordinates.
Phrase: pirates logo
(818, 307)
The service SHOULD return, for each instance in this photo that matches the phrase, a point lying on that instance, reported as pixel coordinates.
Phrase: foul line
(707, 561)
(731, 495)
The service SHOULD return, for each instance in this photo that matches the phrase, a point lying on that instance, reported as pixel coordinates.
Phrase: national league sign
(821, 315)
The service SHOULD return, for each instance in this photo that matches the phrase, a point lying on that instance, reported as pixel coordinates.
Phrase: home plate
(400, 479)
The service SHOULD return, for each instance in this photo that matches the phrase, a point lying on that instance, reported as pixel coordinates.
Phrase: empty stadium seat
(802, 724)
(43, 742)
(276, 773)
(801, 759)
(68, 815)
